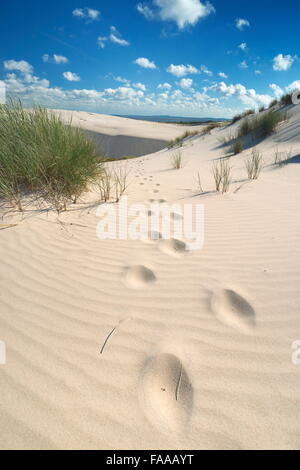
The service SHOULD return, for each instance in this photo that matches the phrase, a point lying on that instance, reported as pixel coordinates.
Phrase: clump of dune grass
(273, 104)
(178, 142)
(212, 125)
(199, 183)
(176, 160)
(237, 147)
(240, 116)
(262, 126)
(112, 182)
(254, 164)
(41, 155)
(282, 158)
(221, 173)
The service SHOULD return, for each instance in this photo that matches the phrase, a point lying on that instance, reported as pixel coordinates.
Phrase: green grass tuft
(40, 154)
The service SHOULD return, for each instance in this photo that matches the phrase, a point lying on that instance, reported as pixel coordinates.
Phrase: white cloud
(165, 86)
(248, 97)
(21, 66)
(243, 46)
(123, 80)
(186, 83)
(204, 69)
(183, 12)
(56, 59)
(282, 62)
(293, 86)
(145, 63)
(101, 41)
(257, 72)
(242, 23)
(124, 93)
(278, 92)
(140, 86)
(116, 37)
(145, 10)
(222, 75)
(86, 13)
(243, 65)
(71, 77)
(182, 70)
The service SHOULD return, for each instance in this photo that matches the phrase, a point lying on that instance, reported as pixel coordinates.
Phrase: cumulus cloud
(71, 77)
(248, 97)
(293, 86)
(282, 62)
(242, 23)
(222, 75)
(56, 59)
(243, 46)
(21, 66)
(165, 86)
(140, 86)
(243, 65)
(124, 93)
(116, 37)
(186, 83)
(86, 14)
(183, 12)
(204, 69)
(145, 63)
(182, 70)
(278, 92)
(122, 80)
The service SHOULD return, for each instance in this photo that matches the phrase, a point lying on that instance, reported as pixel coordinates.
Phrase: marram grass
(41, 155)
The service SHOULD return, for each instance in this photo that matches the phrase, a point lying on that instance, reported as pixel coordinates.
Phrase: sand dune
(117, 137)
(122, 344)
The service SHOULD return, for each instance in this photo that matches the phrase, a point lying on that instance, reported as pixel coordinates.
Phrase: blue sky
(175, 57)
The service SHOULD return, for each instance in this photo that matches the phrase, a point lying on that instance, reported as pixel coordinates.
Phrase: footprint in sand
(166, 394)
(233, 310)
(172, 247)
(138, 277)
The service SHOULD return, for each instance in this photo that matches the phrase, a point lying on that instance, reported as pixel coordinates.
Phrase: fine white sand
(132, 345)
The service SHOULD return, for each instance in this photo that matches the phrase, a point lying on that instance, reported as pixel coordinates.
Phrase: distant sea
(172, 119)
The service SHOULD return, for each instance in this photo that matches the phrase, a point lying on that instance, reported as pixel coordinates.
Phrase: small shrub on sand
(212, 125)
(178, 142)
(262, 126)
(282, 158)
(286, 99)
(237, 147)
(112, 182)
(176, 160)
(221, 173)
(41, 155)
(254, 164)
(273, 104)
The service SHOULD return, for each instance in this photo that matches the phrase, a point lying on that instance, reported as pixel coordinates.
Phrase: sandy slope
(199, 354)
(117, 137)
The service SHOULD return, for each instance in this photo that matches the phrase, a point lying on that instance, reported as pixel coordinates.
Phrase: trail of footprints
(165, 391)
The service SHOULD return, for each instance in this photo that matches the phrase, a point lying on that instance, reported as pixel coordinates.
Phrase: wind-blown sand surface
(199, 352)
